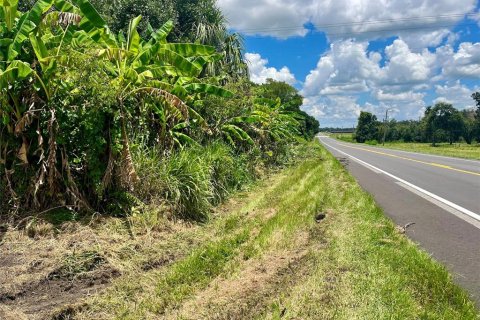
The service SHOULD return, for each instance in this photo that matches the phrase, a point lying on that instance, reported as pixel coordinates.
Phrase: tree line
(132, 104)
(440, 123)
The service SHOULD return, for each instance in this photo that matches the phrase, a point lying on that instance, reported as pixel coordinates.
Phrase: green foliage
(74, 95)
(366, 127)
(476, 123)
(443, 121)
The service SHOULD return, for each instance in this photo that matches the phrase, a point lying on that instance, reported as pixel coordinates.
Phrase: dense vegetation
(441, 123)
(154, 110)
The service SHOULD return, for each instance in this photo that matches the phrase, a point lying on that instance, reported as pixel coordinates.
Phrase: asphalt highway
(440, 195)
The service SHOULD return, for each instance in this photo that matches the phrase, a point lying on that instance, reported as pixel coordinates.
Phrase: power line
(369, 22)
(375, 30)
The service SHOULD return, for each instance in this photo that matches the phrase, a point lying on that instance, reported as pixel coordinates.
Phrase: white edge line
(411, 185)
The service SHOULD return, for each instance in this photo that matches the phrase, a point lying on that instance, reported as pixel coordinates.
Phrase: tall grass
(191, 180)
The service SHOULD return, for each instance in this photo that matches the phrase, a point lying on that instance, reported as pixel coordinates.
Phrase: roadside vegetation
(155, 111)
(143, 176)
(306, 243)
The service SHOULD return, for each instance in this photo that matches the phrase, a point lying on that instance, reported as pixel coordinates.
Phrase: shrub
(228, 171)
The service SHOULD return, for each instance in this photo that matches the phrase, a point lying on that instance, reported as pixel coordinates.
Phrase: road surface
(441, 195)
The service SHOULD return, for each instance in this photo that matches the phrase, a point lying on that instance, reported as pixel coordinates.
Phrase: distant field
(459, 150)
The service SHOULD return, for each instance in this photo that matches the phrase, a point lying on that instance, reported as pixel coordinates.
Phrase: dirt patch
(257, 284)
(159, 263)
(39, 300)
(245, 294)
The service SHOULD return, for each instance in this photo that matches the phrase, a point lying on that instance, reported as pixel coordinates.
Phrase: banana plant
(155, 69)
(21, 31)
(29, 57)
(275, 122)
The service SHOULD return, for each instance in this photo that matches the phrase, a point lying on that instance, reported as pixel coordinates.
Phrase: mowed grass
(351, 265)
(459, 150)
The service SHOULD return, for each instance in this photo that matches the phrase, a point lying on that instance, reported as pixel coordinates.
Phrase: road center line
(411, 185)
(433, 164)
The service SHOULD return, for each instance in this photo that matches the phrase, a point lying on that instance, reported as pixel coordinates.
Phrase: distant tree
(288, 94)
(118, 13)
(476, 122)
(366, 127)
(292, 101)
(444, 121)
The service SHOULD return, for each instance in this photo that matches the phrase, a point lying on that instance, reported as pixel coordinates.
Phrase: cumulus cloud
(380, 95)
(345, 68)
(365, 19)
(456, 94)
(348, 67)
(334, 110)
(397, 79)
(463, 63)
(405, 66)
(279, 18)
(259, 72)
(417, 41)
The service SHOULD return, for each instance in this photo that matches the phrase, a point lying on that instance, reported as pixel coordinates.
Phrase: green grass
(357, 267)
(459, 150)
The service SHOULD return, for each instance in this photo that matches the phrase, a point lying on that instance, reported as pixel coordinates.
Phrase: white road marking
(449, 209)
(411, 185)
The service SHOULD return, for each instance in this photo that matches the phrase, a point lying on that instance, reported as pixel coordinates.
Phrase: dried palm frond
(67, 18)
(169, 98)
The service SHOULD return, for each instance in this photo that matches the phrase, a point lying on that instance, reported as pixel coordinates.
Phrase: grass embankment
(459, 150)
(268, 254)
(270, 258)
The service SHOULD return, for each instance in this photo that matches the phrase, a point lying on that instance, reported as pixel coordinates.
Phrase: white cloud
(333, 110)
(402, 96)
(259, 72)
(457, 94)
(279, 18)
(405, 66)
(419, 40)
(345, 68)
(348, 68)
(463, 63)
(366, 19)
(400, 80)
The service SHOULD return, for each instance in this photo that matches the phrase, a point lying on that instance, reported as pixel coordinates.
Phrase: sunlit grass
(459, 150)
(357, 267)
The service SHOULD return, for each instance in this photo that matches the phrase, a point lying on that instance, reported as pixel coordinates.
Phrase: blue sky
(351, 55)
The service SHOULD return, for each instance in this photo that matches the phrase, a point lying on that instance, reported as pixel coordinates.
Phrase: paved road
(441, 195)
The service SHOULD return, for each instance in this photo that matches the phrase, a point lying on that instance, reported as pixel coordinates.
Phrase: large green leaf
(64, 6)
(92, 18)
(39, 47)
(133, 42)
(9, 12)
(160, 35)
(174, 59)
(17, 70)
(189, 49)
(27, 23)
(233, 131)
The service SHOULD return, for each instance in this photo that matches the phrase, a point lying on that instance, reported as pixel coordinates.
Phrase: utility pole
(385, 126)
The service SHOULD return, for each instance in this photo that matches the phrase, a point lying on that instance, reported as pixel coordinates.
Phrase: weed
(77, 263)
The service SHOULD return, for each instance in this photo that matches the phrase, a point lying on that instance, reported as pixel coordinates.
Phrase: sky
(347, 56)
